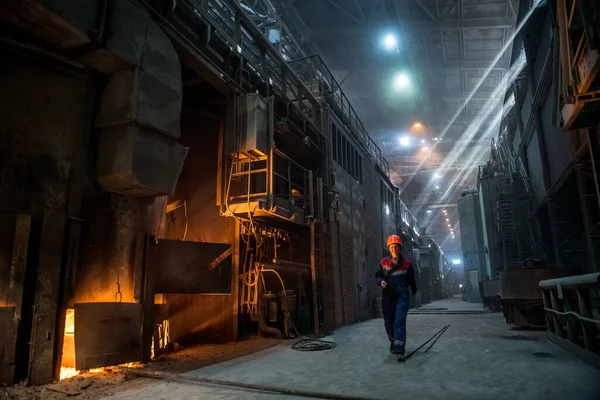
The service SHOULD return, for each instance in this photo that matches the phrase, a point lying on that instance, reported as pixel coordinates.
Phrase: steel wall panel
(107, 334)
(185, 267)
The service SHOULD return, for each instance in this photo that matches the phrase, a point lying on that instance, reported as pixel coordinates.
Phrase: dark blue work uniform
(400, 278)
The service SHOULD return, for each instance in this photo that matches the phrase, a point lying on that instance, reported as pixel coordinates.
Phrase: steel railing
(568, 308)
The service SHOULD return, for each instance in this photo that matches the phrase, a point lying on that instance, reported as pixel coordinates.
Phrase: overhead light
(456, 261)
(444, 211)
(422, 141)
(425, 148)
(387, 209)
(428, 211)
(437, 187)
(417, 125)
(404, 141)
(436, 175)
(401, 81)
(390, 42)
(447, 219)
(449, 225)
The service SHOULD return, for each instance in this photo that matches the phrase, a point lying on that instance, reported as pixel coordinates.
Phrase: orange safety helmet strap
(394, 239)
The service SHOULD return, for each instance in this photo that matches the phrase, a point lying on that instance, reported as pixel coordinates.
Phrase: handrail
(314, 68)
(567, 302)
(572, 282)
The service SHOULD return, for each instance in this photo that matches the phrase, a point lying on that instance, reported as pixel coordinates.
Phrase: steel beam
(432, 205)
(501, 65)
(464, 95)
(429, 13)
(450, 24)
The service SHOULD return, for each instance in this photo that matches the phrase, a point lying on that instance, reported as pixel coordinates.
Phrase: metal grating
(348, 280)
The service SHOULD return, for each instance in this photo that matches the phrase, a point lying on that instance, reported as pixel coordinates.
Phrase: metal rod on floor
(239, 385)
(429, 340)
(436, 339)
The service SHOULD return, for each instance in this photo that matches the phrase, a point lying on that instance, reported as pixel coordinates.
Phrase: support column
(41, 355)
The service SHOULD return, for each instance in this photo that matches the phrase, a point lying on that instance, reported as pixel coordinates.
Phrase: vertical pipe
(565, 51)
(310, 194)
(313, 273)
(235, 279)
(270, 187)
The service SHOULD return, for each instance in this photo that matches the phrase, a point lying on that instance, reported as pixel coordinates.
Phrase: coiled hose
(304, 344)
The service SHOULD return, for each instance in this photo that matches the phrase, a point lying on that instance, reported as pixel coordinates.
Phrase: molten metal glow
(66, 373)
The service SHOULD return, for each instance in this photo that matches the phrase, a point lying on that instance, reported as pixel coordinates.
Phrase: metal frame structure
(578, 31)
(569, 315)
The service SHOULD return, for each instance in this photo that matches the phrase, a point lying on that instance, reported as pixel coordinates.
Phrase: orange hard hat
(394, 239)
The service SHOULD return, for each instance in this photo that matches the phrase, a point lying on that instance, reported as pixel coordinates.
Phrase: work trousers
(395, 308)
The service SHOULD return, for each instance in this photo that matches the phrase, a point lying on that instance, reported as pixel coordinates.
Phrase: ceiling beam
(464, 95)
(501, 65)
(453, 24)
(432, 205)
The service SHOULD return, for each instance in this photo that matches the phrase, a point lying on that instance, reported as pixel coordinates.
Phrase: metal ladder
(317, 270)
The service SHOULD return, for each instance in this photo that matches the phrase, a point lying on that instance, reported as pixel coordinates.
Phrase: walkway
(478, 358)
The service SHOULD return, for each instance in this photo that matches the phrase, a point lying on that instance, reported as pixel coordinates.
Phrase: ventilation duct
(138, 118)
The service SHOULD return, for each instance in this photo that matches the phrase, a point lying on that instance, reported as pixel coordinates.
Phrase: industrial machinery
(520, 296)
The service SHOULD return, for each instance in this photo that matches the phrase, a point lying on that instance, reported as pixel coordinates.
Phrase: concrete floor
(479, 357)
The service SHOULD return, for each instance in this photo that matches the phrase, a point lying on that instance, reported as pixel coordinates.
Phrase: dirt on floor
(104, 383)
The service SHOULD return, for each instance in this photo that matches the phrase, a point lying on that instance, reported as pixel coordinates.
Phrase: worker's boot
(400, 358)
(392, 349)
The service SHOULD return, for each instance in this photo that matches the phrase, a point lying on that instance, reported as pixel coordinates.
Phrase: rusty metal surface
(522, 284)
(7, 344)
(184, 267)
(107, 334)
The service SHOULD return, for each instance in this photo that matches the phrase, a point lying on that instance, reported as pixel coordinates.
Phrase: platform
(478, 358)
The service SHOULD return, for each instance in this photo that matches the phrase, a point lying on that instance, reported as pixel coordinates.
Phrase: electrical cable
(304, 344)
(186, 220)
(593, 321)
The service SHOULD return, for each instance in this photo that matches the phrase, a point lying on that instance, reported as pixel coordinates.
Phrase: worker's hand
(383, 284)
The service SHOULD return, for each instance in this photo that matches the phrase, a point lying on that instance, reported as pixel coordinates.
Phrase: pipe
(240, 385)
(260, 312)
(572, 282)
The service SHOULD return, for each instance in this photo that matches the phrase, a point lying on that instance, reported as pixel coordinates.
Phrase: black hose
(313, 345)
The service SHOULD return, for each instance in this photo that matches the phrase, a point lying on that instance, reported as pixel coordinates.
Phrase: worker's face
(395, 250)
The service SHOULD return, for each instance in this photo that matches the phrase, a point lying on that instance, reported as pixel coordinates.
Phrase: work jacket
(399, 277)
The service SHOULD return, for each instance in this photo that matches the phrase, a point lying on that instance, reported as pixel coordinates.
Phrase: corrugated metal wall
(348, 279)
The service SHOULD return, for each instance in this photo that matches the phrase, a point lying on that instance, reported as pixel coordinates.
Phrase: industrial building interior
(135, 265)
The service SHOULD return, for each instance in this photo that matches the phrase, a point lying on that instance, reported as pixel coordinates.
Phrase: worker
(396, 276)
